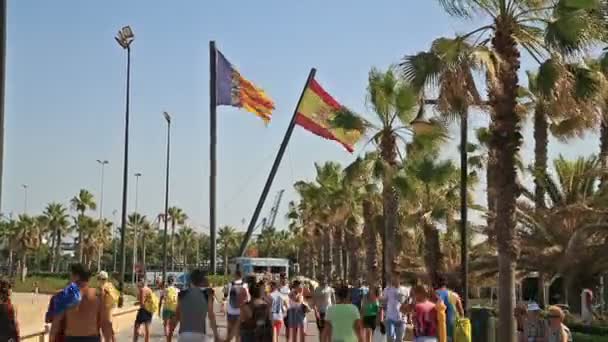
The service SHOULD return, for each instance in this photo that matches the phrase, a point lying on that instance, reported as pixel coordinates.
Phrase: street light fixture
(166, 217)
(124, 38)
(420, 125)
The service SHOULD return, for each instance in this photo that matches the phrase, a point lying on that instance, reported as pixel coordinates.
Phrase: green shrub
(596, 330)
(578, 337)
(218, 280)
(46, 284)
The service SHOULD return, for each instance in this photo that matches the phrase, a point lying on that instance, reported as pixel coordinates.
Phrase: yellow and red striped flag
(235, 90)
(316, 112)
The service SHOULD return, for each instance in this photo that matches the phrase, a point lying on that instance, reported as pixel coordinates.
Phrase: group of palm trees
(37, 240)
(404, 198)
(42, 242)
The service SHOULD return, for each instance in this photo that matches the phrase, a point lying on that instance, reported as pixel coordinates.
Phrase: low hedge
(579, 337)
(596, 330)
(45, 284)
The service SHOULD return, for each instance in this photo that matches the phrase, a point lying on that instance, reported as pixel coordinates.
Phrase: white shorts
(192, 337)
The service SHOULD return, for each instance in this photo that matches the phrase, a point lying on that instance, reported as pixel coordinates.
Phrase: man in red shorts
(278, 309)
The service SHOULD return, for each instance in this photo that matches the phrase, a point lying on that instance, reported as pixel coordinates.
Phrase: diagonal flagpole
(275, 167)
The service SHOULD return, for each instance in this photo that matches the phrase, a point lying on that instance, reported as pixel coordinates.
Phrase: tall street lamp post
(166, 217)
(2, 81)
(103, 164)
(135, 227)
(24, 186)
(124, 38)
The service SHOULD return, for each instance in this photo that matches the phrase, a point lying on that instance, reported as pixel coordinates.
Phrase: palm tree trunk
(390, 210)
(10, 259)
(433, 258)
(353, 244)
(173, 249)
(370, 237)
(143, 256)
(541, 141)
(52, 260)
(604, 148)
(23, 266)
(328, 257)
(339, 252)
(80, 245)
(58, 249)
(225, 260)
(505, 142)
(99, 252)
(390, 200)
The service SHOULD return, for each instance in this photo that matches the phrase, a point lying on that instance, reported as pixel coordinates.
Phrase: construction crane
(274, 210)
(268, 222)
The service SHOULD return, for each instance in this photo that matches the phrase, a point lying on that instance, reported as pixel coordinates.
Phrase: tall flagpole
(275, 167)
(2, 83)
(212, 152)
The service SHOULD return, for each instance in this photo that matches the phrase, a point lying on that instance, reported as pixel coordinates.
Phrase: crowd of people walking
(262, 310)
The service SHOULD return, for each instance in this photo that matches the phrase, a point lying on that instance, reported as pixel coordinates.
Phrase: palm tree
(601, 65)
(534, 26)
(431, 191)
(135, 221)
(564, 101)
(568, 237)
(147, 232)
(81, 203)
(100, 237)
(56, 217)
(228, 239)
(177, 217)
(185, 238)
(393, 103)
(27, 239)
(8, 233)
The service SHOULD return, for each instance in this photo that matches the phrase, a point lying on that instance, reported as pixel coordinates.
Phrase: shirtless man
(144, 317)
(84, 321)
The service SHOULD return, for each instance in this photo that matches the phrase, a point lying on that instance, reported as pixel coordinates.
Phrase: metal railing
(42, 334)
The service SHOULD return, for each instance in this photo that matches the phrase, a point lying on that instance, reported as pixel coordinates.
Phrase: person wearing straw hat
(557, 331)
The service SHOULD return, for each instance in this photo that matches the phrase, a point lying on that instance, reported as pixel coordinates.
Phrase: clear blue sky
(65, 93)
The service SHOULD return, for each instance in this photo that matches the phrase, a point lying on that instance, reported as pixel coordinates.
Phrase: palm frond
(421, 70)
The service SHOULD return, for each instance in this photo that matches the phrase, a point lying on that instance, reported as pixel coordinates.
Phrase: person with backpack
(79, 311)
(109, 295)
(256, 325)
(168, 297)
(148, 302)
(194, 306)
(237, 294)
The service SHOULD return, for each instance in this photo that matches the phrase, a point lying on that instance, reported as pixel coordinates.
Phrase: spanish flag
(232, 89)
(316, 112)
